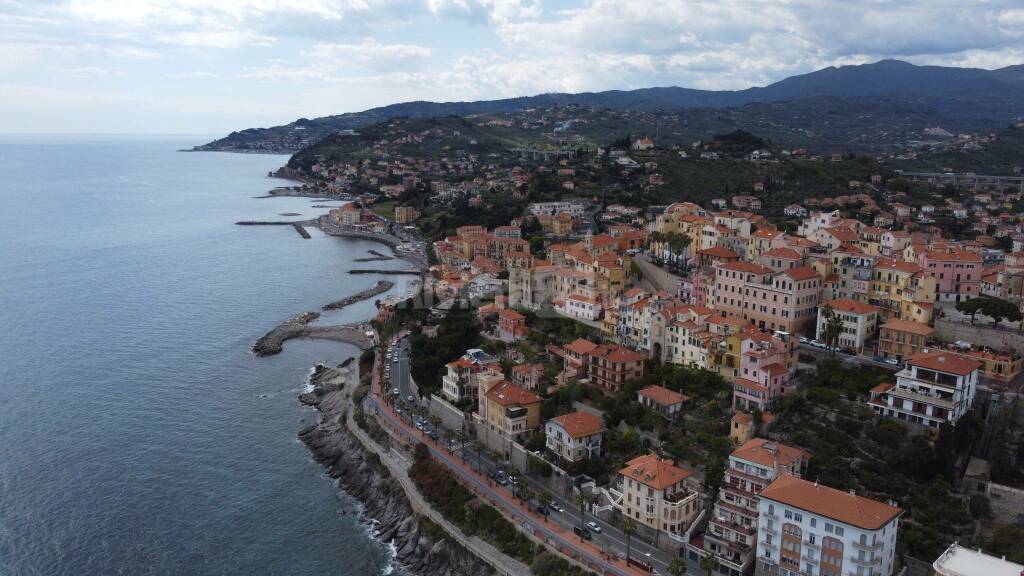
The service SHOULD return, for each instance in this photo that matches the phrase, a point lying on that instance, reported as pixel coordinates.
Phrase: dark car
(581, 532)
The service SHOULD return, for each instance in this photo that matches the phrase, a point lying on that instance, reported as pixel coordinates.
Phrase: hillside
(967, 98)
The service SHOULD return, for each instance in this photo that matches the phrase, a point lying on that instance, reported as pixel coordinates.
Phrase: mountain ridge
(964, 93)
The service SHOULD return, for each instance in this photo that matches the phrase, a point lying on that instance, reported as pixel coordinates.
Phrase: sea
(138, 433)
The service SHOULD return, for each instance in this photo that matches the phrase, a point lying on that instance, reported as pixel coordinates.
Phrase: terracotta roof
(743, 417)
(663, 396)
(898, 265)
(831, 503)
(801, 273)
(947, 362)
(510, 314)
(909, 326)
(719, 252)
(506, 393)
(769, 453)
(746, 267)
(851, 306)
(787, 253)
(581, 346)
(616, 353)
(953, 255)
(652, 471)
(580, 424)
(883, 387)
(843, 234)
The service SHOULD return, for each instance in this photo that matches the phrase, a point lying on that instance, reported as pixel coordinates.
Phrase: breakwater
(298, 327)
(391, 272)
(379, 288)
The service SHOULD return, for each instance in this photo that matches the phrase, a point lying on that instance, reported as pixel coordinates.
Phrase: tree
(832, 329)
(970, 307)
(478, 447)
(545, 501)
(677, 567)
(628, 528)
(995, 308)
(709, 564)
(435, 421)
(581, 499)
(525, 493)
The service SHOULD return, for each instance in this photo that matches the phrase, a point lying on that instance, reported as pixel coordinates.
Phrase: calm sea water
(138, 434)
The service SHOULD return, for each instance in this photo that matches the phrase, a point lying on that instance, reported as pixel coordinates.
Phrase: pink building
(786, 301)
(957, 273)
(511, 325)
(767, 365)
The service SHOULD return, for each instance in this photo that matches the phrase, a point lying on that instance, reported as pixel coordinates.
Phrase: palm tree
(832, 329)
(478, 447)
(460, 437)
(545, 502)
(677, 567)
(525, 494)
(581, 499)
(628, 528)
(435, 421)
(709, 564)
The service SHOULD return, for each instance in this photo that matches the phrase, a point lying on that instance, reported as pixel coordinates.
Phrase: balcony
(869, 546)
(811, 545)
(867, 561)
(931, 399)
(769, 530)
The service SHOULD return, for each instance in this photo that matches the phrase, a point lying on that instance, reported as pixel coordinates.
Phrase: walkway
(565, 541)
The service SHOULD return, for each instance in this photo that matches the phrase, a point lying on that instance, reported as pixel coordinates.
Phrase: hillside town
(655, 366)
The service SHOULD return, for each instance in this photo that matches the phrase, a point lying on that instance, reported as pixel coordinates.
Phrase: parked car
(593, 526)
(581, 532)
(803, 340)
(878, 359)
(817, 343)
(409, 398)
(892, 361)
(554, 506)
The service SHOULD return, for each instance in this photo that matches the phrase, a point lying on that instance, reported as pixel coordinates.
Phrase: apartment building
(902, 339)
(785, 301)
(511, 325)
(935, 387)
(731, 533)
(611, 366)
(509, 410)
(808, 529)
(459, 383)
(767, 364)
(574, 437)
(902, 290)
(957, 560)
(859, 322)
(957, 272)
(659, 495)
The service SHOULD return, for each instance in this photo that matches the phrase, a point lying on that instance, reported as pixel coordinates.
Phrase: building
(767, 364)
(406, 214)
(659, 495)
(809, 529)
(666, 402)
(528, 376)
(960, 561)
(508, 410)
(511, 325)
(934, 388)
(956, 271)
(580, 307)
(576, 357)
(459, 383)
(902, 339)
(612, 366)
(786, 301)
(731, 534)
(859, 321)
(574, 437)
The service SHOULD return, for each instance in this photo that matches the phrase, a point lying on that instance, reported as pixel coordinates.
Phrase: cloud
(368, 50)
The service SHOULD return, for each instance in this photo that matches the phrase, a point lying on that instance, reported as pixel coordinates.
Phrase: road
(400, 378)
(509, 505)
(844, 357)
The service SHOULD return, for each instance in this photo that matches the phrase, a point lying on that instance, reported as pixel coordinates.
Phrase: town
(826, 385)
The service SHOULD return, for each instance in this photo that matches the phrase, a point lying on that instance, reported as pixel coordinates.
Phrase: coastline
(420, 546)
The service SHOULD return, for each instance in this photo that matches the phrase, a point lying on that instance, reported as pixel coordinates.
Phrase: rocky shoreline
(379, 288)
(361, 474)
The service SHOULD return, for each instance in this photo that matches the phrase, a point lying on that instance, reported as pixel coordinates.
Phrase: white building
(574, 209)
(581, 307)
(960, 561)
(819, 221)
(574, 437)
(659, 495)
(460, 382)
(806, 529)
(935, 387)
(860, 322)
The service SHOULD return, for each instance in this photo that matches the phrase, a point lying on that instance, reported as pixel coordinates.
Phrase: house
(574, 437)
(459, 383)
(576, 357)
(731, 533)
(528, 375)
(612, 366)
(795, 211)
(580, 307)
(957, 272)
(511, 325)
(767, 364)
(858, 322)
(935, 387)
(507, 411)
(901, 339)
(814, 530)
(785, 301)
(644, 143)
(666, 402)
(659, 495)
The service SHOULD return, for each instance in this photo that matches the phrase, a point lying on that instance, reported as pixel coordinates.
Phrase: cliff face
(361, 475)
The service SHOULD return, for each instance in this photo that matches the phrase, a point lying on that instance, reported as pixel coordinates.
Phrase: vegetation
(995, 308)
(456, 332)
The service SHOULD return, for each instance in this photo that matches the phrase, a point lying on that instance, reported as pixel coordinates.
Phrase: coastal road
(518, 513)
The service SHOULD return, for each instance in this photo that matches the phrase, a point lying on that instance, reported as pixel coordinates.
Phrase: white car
(593, 526)
(817, 343)
(892, 361)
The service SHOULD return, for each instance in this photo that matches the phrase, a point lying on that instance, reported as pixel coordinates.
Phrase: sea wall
(361, 474)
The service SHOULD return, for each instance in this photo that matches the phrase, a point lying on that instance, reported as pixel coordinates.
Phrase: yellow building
(659, 495)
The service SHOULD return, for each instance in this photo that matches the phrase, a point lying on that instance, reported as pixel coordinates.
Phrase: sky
(210, 67)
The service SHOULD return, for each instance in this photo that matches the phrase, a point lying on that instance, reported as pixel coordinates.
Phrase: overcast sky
(198, 66)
